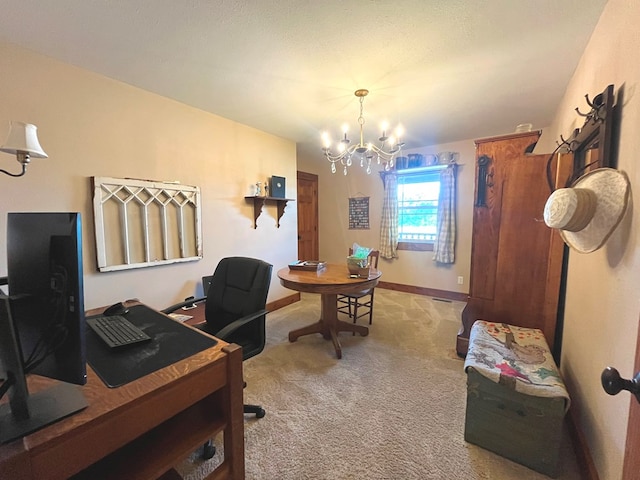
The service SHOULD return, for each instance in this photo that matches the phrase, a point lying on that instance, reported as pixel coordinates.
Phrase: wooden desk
(142, 429)
(196, 314)
(328, 282)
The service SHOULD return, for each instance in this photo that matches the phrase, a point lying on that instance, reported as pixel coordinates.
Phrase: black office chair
(236, 296)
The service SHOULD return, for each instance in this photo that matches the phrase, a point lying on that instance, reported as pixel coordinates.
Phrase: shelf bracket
(258, 203)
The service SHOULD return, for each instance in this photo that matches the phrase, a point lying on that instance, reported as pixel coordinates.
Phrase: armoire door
(516, 260)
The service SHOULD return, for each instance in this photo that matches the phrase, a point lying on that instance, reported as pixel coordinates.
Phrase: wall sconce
(22, 142)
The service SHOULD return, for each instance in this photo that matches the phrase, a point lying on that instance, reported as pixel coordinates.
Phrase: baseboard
(581, 448)
(429, 292)
(283, 302)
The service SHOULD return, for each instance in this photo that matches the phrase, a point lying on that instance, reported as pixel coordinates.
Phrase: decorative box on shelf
(277, 186)
(307, 265)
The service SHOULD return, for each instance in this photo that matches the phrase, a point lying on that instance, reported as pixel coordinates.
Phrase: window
(418, 209)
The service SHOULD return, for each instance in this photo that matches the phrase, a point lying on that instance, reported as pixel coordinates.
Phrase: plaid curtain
(389, 222)
(444, 248)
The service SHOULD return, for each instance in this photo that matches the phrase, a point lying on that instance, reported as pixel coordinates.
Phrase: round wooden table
(328, 282)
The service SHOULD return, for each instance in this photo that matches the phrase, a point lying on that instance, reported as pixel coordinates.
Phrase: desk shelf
(258, 203)
(152, 454)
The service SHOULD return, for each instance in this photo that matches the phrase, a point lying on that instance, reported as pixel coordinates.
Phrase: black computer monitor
(42, 320)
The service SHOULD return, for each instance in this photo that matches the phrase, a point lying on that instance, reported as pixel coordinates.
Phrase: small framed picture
(277, 187)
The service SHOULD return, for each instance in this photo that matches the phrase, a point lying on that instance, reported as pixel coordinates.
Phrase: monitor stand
(45, 408)
(27, 413)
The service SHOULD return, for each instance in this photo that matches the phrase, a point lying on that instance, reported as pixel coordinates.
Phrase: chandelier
(346, 152)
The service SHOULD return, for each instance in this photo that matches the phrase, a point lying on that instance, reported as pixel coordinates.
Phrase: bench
(516, 399)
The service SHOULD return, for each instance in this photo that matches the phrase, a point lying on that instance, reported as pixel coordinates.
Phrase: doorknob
(613, 383)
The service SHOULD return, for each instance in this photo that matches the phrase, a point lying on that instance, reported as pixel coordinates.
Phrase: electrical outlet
(460, 280)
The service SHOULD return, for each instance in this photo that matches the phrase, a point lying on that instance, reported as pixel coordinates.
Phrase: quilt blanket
(516, 357)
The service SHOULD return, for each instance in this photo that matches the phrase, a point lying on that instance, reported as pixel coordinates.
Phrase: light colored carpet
(392, 408)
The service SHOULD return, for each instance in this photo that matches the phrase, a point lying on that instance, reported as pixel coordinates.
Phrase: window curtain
(389, 222)
(444, 247)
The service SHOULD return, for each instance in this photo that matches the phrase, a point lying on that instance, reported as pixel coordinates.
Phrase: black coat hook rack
(591, 144)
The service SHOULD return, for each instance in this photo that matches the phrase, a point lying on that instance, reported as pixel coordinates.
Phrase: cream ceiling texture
(447, 70)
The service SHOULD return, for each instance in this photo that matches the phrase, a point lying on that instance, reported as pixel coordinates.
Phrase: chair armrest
(175, 307)
(233, 326)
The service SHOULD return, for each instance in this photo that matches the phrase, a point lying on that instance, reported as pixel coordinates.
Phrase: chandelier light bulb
(384, 126)
(326, 140)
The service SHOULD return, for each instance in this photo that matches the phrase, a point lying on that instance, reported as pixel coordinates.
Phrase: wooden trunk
(522, 428)
(516, 260)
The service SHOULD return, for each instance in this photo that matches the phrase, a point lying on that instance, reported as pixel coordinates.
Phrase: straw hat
(588, 212)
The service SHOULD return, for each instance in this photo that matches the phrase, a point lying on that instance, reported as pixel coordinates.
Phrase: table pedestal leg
(329, 325)
(317, 327)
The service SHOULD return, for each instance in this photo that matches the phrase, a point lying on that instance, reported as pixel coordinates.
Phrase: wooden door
(516, 259)
(632, 446)
(308, 245)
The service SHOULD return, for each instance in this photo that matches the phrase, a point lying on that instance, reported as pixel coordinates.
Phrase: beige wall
(601, 317)
(93, 126)
(410, 268)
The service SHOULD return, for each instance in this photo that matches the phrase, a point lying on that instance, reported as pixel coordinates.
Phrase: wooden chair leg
(355, 312)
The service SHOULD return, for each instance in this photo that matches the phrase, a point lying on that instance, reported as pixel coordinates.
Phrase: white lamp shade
(23, 138)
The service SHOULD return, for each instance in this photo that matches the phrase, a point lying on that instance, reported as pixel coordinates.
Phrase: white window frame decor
(158, 223)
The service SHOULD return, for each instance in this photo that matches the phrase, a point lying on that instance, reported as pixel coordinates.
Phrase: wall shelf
(258, 203)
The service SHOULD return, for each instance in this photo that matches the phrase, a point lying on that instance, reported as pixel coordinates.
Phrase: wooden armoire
(516, 260)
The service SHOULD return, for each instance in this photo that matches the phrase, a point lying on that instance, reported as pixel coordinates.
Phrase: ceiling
(447, 70)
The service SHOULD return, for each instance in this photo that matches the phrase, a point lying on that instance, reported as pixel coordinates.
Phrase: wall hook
(483, 180)
(565, 142)
(597, 101)
(584, 114)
